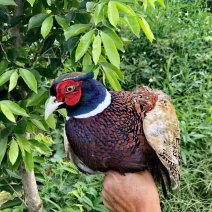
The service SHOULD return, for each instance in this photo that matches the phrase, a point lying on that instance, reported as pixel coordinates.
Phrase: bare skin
(135, 192)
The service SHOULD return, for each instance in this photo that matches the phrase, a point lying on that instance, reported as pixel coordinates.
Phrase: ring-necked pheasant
(121, 131)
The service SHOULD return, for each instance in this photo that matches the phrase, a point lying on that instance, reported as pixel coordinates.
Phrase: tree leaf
(3, 66)
(3, 147)
(15, 108)
(145, 5)
(34, 99)
(96, 73)
(112, 79)
(114, 69)
(39, 159)
(151, 3)
(13, 80)
(96, 52)
(111, 50)
(90, 6)
(46, 26)
(8, 2)
(61, 21)
(11, 203)
(28, 161)
(7, 112)
(29, 79)
(24, 142)
(161, 2)
(125, 8)
(76, 29)
(146, 28)
(127, 1)
(63, 112)
(40, 147)
(38, 124)
(31, 2)
(116, 39)
(113, 13)
(13, 152)
(36, 20)
(84, 43)
(20, 128)
(51, 122)
(5, 77)
(86, 61)
(133, 25)
(99, 13)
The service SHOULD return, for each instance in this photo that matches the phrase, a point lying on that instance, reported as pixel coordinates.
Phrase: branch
(15, 193)
(15, 31)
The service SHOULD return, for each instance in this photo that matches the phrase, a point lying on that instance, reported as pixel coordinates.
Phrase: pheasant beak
(52, 106)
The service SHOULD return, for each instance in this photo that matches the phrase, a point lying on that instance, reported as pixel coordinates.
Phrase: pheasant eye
(70, 89)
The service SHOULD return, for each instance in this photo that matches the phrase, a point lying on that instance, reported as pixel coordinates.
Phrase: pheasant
(121, 131)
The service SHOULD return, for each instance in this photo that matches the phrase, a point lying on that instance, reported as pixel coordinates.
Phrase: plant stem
(15, 193)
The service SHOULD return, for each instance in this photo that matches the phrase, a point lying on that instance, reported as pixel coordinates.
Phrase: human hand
(134, 192)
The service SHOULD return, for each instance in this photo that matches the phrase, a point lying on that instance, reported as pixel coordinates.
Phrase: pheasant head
(80, 94)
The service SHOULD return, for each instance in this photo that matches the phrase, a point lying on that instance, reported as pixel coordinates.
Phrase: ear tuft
(90, 75)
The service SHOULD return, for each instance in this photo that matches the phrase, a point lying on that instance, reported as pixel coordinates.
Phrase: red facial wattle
(71, 98)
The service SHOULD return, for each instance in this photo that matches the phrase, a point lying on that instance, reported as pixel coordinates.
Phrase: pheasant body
(113, 139)
(120, 131)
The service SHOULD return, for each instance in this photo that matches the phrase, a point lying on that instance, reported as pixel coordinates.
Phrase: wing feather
(161, 128)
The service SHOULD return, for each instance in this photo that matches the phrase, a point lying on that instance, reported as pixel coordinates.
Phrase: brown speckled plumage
(113, 139)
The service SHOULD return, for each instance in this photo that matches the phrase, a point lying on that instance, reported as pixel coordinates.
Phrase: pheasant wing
(161, 129)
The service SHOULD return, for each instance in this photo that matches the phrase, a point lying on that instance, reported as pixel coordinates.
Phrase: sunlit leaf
(13, 152)
(151, 3)
(96, 52)
(84, 43)
(61, 21)
(15, 108)
(29, 79)
(113, 13)
(114, 69)
(28, 161)
(146, 28)
(31, 2)
(125, 8)
(116, 39)
(5, 77)
(75, 29)
(8, 2)
(99, 13)
(46, 26)
(145, 4)
(110, 49)
(38, 124)
(133, 25)
(36, 20)
(40, 147)
(7, 112)
(112, 78)
(25, 143)
(161, 2)
(86, 61)
(90, 6)
(51, 122)
(13, 81)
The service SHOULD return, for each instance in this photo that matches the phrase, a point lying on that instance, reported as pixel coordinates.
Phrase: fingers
(112, 203)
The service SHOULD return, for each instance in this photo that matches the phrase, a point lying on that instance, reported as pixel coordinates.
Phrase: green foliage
(64, 36)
